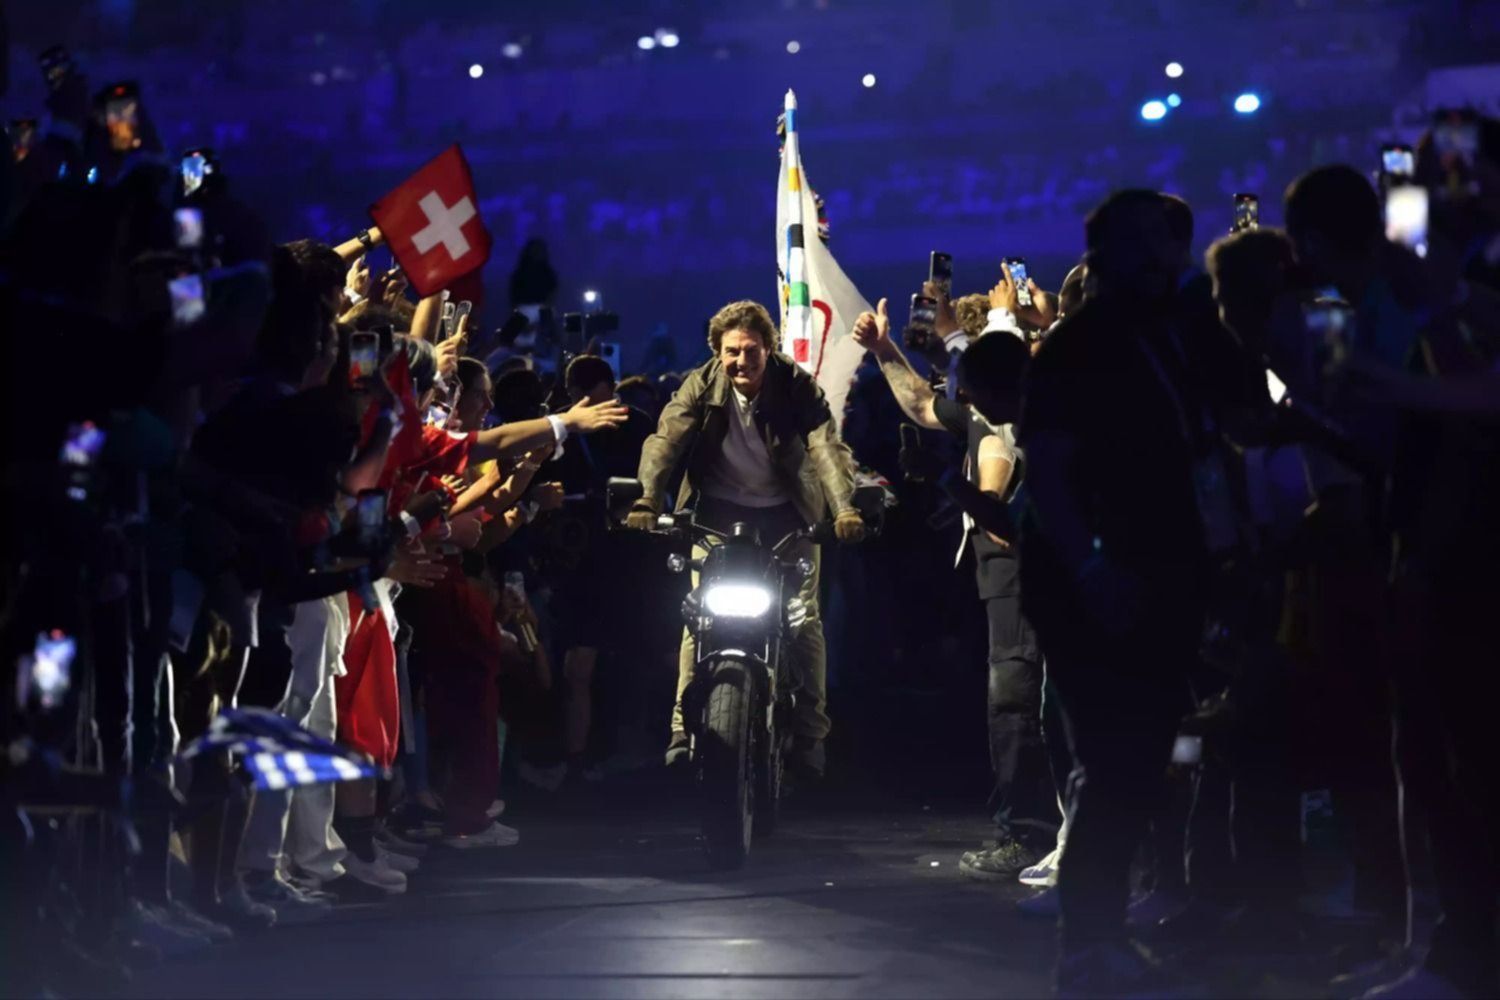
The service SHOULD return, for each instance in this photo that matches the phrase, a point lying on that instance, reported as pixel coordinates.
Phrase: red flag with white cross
(432, 225)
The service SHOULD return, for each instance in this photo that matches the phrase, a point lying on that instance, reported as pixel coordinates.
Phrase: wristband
(365, 240)
(412, 525)
(559, 429)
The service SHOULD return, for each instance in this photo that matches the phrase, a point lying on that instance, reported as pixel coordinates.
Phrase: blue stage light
(1153, 111)
(1247, 103)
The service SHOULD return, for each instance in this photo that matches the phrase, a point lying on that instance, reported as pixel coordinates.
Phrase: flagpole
(796, 334)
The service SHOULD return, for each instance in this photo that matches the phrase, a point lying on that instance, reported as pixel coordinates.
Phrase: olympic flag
(818, 302)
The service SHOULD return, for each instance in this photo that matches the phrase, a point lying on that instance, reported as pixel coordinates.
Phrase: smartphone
(1187, 750)
(911, 438)
(57, 66)
(189, 225)
(940, 272)
(1331, 321)
(369, 519)
(923, 315)
(1246, 212)
(197, 166)
(1406, 217)
(450, 312)
(122, 116)
(515, 324)
(1397, 160)
(81, 449)
(187, 298)
(460, 313)
(1017, 266)
(1455, 135)
(22, 132)
(364, 355)
(46, 673)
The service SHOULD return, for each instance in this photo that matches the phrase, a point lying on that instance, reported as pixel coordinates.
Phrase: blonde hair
(973, 312)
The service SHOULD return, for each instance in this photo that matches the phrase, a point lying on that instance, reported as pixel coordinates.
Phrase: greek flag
(277, 752)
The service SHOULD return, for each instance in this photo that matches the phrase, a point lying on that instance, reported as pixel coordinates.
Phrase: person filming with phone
(762, 449)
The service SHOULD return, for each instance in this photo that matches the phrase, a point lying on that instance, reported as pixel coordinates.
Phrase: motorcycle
(737, 708)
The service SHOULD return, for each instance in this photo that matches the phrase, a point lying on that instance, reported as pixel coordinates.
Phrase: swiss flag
(432, 225)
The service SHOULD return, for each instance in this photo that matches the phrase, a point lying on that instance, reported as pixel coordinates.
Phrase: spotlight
(511, 50)
(667, 39)
(591, 296)
(476, 71)
(1247, 103)
(1173, 100)
(869, 80)
(794, 46)
(1174, 69)
(1153, 111)
(645, 43)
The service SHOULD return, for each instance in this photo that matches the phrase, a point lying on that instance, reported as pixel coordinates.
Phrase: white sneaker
(496, 809)
(494, 835)
(403, 863)
(1042, 874)
(374, 873)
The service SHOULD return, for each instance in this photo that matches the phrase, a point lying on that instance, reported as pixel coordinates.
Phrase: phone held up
(911, 439)
(120, 104)
(364, 356)
(57, 66)
(1018, 276)
(923, 316)
(369, 520)
(1246, 212)
(1406, 217)
(940, 272)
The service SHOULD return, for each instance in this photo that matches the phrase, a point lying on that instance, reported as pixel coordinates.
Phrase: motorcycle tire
(727, 768)
(770, 767)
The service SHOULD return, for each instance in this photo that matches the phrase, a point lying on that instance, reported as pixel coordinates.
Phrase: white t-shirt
(743, 473)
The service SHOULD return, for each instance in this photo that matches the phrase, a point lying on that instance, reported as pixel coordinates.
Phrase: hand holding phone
(370, 521)
(1015, 270)
(364, 356)
(1406, 217)
(940, 273)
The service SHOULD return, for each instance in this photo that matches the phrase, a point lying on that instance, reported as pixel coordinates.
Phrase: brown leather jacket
(812, 461)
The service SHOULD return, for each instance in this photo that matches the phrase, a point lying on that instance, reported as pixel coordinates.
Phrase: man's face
(743, 355)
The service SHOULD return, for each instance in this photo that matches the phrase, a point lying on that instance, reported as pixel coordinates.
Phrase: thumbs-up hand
(872, 330)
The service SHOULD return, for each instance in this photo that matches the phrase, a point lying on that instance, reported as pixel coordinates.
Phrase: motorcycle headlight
(737, 600)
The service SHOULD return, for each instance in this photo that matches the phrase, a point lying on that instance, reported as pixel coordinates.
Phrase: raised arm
(524, 435)
(915, 396)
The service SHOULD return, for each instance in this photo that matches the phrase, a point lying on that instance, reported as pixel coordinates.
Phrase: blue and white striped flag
(277, 752)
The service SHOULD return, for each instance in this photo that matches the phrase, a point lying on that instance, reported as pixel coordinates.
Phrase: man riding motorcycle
(762, 449)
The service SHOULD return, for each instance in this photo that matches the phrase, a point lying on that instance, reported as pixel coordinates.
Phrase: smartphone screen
(56, 65)
(22, 138)
(450, 311)
(364, 355)
(1331, 322)
(1187, 750)
(82, 446)
(197, 166)
(1406, 217)
(461, 313)
(369, 513)
(189, 225)
(46, 673)
(1246, 212)
(187, 298)
(1017, 267)
(940, 272)
(122, 117)
(1456, 136)
(1398, 160)
(923, 314)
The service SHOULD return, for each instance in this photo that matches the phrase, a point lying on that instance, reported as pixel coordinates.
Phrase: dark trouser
(1122, 697)
(1448, 684)
(1024, 796)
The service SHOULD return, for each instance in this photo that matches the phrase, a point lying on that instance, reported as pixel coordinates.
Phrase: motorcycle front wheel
(727, 767)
